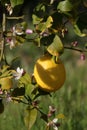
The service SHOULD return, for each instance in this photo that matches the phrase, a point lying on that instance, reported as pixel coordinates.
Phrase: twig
(19, 100)
(75, 49)
(19, 17)
(3, 39)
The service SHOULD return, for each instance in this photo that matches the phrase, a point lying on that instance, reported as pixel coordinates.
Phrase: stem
(19, 100)
(20, 17)
(75, 49)
(4, 23)
(3, 38)
(43, 114)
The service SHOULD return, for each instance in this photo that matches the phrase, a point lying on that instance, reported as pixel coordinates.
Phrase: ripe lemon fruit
(50, 76)
(6, 83)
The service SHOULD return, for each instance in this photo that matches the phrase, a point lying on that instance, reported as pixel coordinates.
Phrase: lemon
(6, 83)
(50, 76)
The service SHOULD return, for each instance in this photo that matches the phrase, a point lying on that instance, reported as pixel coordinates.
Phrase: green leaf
(78, 31)
(43, 26)
(24, 25)
(36, 19)
(40, 7)
(56, 47)
(37, 41)
(65, 6)
(18, 92)
(82, 21)
(24, 80)
(5, 71)
(30, 117)
(29, 90)
(49, 22)
(47, 40)
(16, 2)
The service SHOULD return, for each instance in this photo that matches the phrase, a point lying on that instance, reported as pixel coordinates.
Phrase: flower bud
(29, 31)
(74, 44)
(82, 56)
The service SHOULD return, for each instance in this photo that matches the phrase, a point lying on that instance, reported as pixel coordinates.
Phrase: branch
(19, 100)
(17, 18)
(75, 49)
(3, 39)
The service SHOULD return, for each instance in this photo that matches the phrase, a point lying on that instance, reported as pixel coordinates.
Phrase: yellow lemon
(50, 76)
(6, 83)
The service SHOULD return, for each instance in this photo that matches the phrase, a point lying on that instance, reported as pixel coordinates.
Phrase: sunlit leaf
(56, 48)
(49, 22)
(20, 39)
(65, 6)
(5, 71)
(29, 90)
(30, 117)
(44, 25)
(78, 31)
(36, 19)
(25, 80)
(16, 2)
(5, 67)
(40, 7)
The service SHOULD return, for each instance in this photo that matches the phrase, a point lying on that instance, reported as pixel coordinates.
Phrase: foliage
(51, 20)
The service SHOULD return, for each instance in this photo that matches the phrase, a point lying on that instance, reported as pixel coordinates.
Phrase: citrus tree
(51, 22)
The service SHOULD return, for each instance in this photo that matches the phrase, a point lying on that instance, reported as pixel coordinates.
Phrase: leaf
(25, 80)
(65, 6)
(30, 117)
(24, 25)
(78, 31)
(5, 71)
(56, 47)
(37, 41)
(29, 90)
(43, 26)
(40, 7)
(81, 21)
(36, 19)
(47, 40)
(18, 92)
(16, 2)
(20, 39)
(49, 22)
(5, 68)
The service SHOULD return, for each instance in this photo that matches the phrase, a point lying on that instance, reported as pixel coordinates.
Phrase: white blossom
(18, 73)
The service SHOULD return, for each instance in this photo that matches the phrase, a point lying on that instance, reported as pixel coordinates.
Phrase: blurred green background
(70, 100)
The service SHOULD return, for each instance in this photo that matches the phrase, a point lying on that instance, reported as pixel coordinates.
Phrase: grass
(70, 100)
